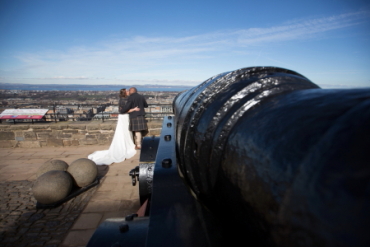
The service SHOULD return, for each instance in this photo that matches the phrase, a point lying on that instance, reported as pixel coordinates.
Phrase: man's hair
(133, 90)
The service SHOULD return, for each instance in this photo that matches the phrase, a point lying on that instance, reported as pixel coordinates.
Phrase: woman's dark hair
(122, 93)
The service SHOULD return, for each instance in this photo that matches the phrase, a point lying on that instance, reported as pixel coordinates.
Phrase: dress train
(121, 148)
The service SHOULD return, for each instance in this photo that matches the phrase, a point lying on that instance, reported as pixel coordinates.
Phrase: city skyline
(182, 43)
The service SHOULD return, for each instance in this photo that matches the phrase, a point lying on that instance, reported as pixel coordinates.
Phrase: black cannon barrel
(278, 157)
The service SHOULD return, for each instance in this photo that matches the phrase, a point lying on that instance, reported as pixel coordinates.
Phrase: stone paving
(72, 223)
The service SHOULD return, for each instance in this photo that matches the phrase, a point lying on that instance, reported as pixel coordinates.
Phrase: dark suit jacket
(134, 100)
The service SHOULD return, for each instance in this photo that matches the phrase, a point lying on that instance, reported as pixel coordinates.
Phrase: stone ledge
(93, 127)
(39, 126)
(58, 127)
(107, 126)
(19, 127)
(63, 133)
(77, 126)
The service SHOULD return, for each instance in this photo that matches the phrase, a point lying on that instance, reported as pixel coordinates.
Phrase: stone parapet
(63, 133)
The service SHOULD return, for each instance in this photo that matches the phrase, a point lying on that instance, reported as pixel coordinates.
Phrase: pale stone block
(104, 196)
(88, 142)
(78, 136)
(6, 177)
(94, 132)
(78, 237)
(7, 135)
(91, 137)
(129, 206)
(110, 215)
(154, 132)
(70, 131)
(24, 176)
(67, 143)
(43, 136)
(113, 179)
(75, 143)
(8, 144)
(92, 127)
(42, 130)
(29, 136)
(64, 135)
(29, 144)
(105, 187)
(52, 142)
(107, 126)
(104, 141)
(88, 221)
(102, 206)
(57, 126)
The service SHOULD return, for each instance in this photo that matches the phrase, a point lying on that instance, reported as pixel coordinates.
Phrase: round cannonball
(83, 171)
(51, 165)
(52, 186)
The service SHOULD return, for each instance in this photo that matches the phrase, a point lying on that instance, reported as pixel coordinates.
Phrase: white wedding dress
(121, 148)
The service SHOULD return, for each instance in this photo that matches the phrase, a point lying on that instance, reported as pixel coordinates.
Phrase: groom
(137, 118)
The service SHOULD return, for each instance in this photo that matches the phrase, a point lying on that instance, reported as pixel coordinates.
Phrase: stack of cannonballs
(56, 179)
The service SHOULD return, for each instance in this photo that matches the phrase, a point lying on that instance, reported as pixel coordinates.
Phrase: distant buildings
(82, 106)
(159, 109)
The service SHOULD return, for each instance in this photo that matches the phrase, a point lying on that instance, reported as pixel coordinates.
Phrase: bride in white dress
(122, 146)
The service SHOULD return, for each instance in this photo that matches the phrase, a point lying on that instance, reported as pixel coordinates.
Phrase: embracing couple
(134, 105)
(130, 120)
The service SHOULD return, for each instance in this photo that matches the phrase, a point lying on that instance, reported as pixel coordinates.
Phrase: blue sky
(182, 42)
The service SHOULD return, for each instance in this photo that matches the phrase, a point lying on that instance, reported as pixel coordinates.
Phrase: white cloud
(300, 29)
(66, 78)
(147, 59)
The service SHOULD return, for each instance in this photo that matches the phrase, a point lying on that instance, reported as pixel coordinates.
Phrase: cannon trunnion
(264, 156)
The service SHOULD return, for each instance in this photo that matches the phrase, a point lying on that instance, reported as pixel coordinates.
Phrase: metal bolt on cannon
(260, 156)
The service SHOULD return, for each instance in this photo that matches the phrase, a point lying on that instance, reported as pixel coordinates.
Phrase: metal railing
(150, 114)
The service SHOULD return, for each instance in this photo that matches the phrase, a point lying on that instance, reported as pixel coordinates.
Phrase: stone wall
(63, 133)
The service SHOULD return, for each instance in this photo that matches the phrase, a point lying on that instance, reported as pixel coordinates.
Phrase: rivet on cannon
(167, 138)
(169, 125)
(123, 228)
(166, 163)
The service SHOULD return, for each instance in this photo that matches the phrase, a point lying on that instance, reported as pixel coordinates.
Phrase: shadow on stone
(22, 224)
(102, 171)
(75, 192)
